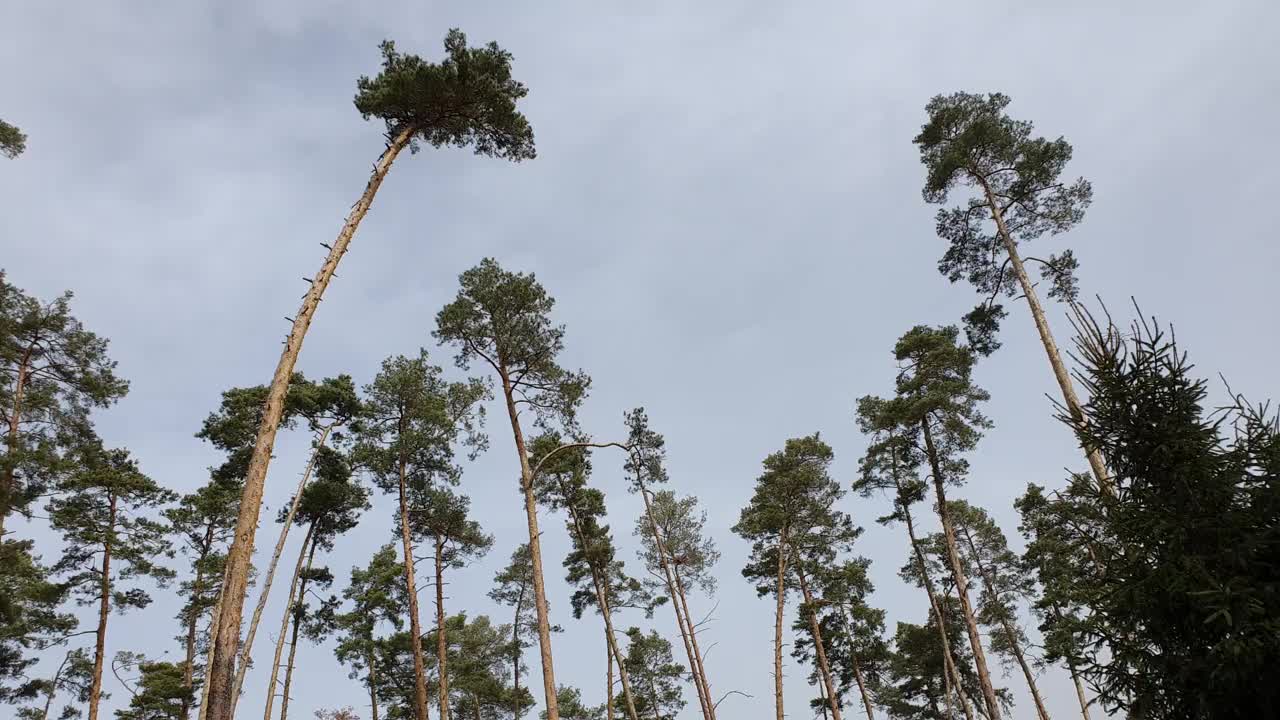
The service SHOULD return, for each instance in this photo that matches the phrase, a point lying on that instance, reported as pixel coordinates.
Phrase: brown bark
(780, 592)
(15, 419)
(258, 609)
(862, 688)
(442, 645)
(222, 668)
(1084, 702)
(208, 660)
(1009, 630)
(53, 687)
(373, 688)
(1072, 402)
(284, 621)
(819, 649)
(675, 587)
(535, 552)
(608, 701)
(961, 582)
(104, 608)
(518, 656)
(293, 640)
(193, 620)
(411, 585)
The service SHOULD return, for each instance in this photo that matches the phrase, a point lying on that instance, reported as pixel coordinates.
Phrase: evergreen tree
(467, 99)
(160, 691)
(440, 515)
(513, 586)
(572, 706)
(12, 140)
(503, 319)
(970, 141)
(673, 547)
(657, 676)
(30, 619)
(99, 511)
(74, 676)
(793, 528)
(917, 671)
(475, 673)
(413, 421)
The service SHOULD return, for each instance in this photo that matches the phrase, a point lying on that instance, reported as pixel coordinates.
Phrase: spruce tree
(100, 511)
(503, 320)
(467, 99)
(970, 141)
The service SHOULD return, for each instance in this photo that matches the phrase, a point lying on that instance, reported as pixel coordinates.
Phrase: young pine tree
(100, 511)
(159, 692)
(477, 652)
(573, 707)
(503, 319)
(467, 99)
(657, 676)
(513, 586)
(12, 140)
(970, 141)
(74, 676)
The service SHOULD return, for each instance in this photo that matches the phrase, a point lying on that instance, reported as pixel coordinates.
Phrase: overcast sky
(726, 204)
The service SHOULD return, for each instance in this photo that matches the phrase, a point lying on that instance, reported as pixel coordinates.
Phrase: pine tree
(467, 99)
(12, 140)
(572, 706)
(99, 510)
(970, 141)
(503, 319)
(30, 619)
(413, 421)
(673, 547)
(160, 691)
(513, 586)
(477, 652)
(74, 676)
(916, 689)
(657, 676)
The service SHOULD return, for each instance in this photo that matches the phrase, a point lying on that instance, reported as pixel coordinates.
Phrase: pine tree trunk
(517, 657)
(608, 651)
(781, 593)
(193, 620)
(862, 688)
(15, 420)
(681, 608)
(1072, 402)
(535, 552)
(442, 645)
(373, 688)
(258, 609)
(819, 649)
(411, 586)
(1084, 702)
(951, 674)
(293, 640)
(213, 638)
(222, 669)
(284, 622)
(53, 687)
(1009, 630)
(957, 573)
(104, 608)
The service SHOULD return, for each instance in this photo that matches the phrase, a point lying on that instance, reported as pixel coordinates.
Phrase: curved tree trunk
(284, 622)
(1072, 402)
(442, 644)
(535, 552)
(411, 587)
(780, 592)
(961, 582)
(296, 616)
(222, 669)
(104, 608)
(247, 648)
(819, 649)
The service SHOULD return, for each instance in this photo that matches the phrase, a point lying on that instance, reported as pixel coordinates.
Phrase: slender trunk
(951, 674)
(222, 670)
(957, 573)
(15, 419)
(1072, 402)
(258, 609)
(296, 615)
(1009, 630)
(284, 622)
(862, 688)
(819, 649)
(442, 645)
(535, 552)
(1075, 678)
(104, 607)
(193, 620)
(53, 687)
(608, 699)
(411, 585)
(373, 688)
(516, 657)
(780, 592)
(681, 608)
(208, 657)
(826, 704)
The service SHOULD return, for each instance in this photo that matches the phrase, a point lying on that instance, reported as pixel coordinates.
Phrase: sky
(725, 203)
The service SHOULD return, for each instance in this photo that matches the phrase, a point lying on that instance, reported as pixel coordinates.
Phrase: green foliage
(204, 521)
(681, 525)
(30, 621)
(513, 586)
(1168, 591)
(916, 686)
(469, 98)
(970, 141)
(504, 319)
(656, 679)
(160, 693)
(572, 706)
(73, 677)
(441, 515)
(477, 655)
(12, 140)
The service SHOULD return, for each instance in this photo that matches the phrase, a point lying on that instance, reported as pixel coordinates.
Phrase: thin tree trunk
(53, 687)
(193, 620)
(296, 616)
(258, 609)
(1009, 630)
(104, 608)
(15, 419)
(373, 688)
(284, 621)
(517, 657)
(1072, 402)
(780, 592)
(681, 608)
(951, 674)
(1075, 678)
(222, 670)
(957, 573)
(693, 641)
(535, 552)
(862, 688)
(213, 637)
(819, 649)
(442, 645)
(411, 586)
(608, 651)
